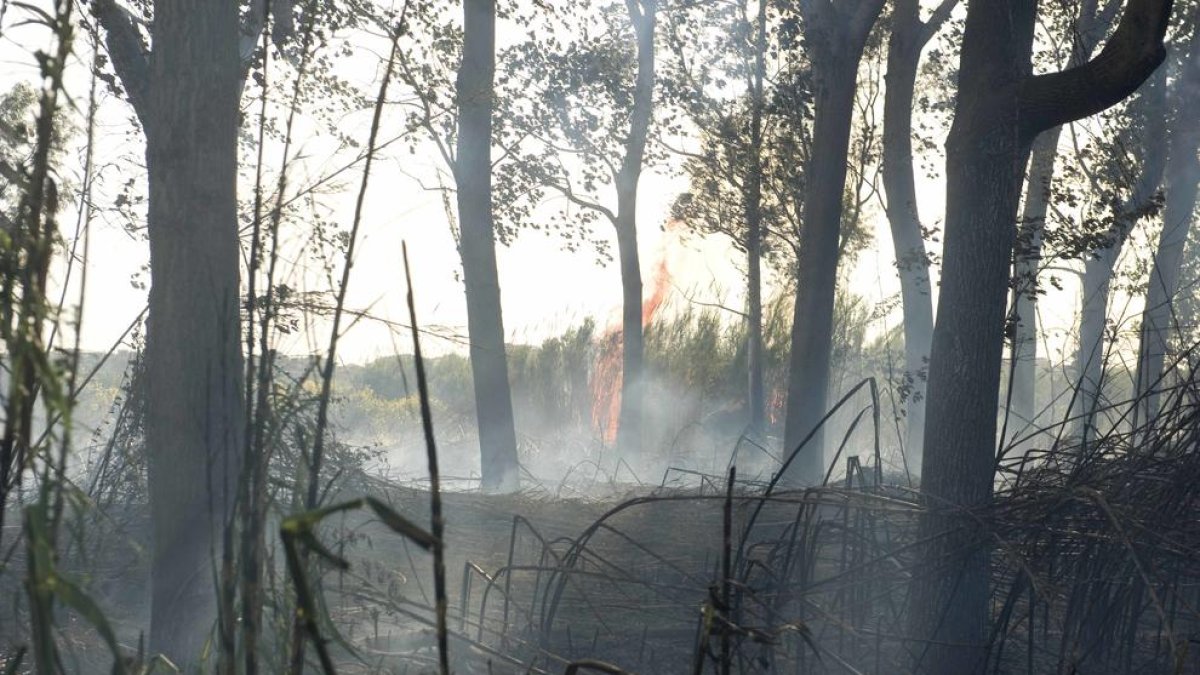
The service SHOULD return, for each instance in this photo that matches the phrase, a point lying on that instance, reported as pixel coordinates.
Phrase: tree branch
(936, 20)
(566, 191)
(128, 53)
(1129, 57)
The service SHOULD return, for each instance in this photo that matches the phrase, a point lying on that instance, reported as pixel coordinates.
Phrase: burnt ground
(629, 589)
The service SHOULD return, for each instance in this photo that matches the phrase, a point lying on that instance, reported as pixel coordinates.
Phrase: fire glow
(606, 377)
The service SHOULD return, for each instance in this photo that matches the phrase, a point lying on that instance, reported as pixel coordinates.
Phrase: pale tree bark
(836, 34)
(1098, 267)
(643, 14)
(1027, 259)
(1000, 110)
(755, 394)
(1159, 322)
(908, 38)
(186, 92)
(485, 323)
(1089, 26)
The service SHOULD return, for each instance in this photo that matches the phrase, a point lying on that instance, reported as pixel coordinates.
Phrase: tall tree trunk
(984, 162)
(755, 394)
(1000, 109)
(1090, 355)
(1098, 267)
(909, 36)
(485, 324)
(837, 45)
(1159, 322)
(193, 354)
(812, 320)
(629, 426)
(1027, 259)
(643, 14)
(1090, 25)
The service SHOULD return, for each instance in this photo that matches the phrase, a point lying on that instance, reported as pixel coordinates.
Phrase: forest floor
(632, 575)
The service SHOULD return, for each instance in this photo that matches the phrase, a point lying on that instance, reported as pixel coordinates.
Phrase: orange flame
(662, 279)
(606, 386)
(607, 374)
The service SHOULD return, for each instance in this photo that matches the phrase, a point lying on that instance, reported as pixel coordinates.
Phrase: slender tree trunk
(629, 427)
(193, 351)
(1089, 358)
(1027, 259)
(836, 40)
(485, 324)
(630, 433)
(1088, 28)
(908, 38)
(812, 321)
(1000, 109)
(1099, 266)
(1159, 322)
(755, 394)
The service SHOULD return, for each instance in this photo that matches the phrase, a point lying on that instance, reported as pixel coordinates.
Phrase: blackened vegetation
(1096, 571)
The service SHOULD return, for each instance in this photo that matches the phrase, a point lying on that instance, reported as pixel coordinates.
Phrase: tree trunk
(1098, 267)
(629, 427)
(485, 324)
(643, 14)
(755, 394)
(908, 38)
(1000, 109)
(812, 321)
(193, 353)
(835, 41)
(1159, 322)
(1027, 258)
(984, 162)
(1088, 28)
(1090, 356)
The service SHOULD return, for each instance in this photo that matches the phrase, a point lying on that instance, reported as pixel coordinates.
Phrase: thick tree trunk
(643, 14)
(755, 394)
(908, 38)
(984, 163)
(1159, 322)
(812, 321)
(485, 324)
(193, 352)
(1000, 109)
